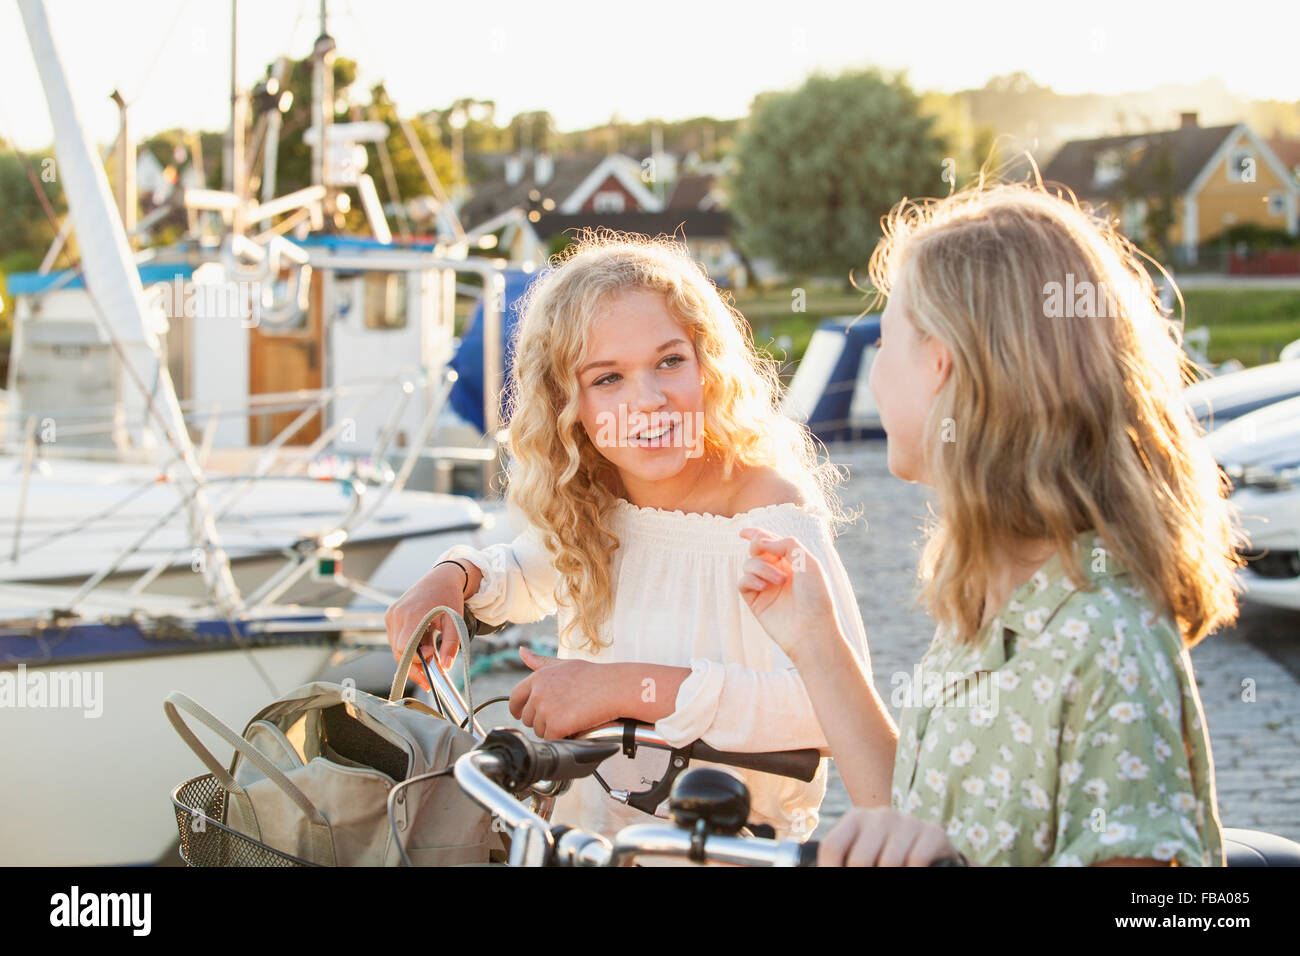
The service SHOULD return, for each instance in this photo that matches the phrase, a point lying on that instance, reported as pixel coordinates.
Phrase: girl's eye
(609, 379)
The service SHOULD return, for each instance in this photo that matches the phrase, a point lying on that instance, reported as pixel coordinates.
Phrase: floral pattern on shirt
(1074, 737)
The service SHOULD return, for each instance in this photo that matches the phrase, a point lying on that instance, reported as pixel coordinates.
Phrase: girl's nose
(649, 396)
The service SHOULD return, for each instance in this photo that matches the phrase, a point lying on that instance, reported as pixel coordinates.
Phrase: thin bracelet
(463, 571)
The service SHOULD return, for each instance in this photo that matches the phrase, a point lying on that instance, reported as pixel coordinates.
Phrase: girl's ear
(937, 360)
(943, 362)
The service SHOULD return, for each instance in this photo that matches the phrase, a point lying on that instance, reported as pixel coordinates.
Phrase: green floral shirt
(1075, 737)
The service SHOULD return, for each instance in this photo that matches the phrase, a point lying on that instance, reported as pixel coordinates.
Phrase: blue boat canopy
(829, 392)
(467, 392)
(32, 283)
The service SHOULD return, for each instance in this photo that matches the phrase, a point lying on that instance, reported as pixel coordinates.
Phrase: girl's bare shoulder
(762, 487)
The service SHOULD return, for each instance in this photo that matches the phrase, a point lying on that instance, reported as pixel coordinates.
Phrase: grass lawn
(1251, 325)
(771, 315)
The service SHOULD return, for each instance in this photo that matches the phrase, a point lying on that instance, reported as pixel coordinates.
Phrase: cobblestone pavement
(1256, 743)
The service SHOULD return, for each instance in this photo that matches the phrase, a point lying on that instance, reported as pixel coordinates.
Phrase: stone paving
(1256, 743)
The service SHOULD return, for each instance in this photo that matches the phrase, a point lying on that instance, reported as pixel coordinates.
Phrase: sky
(585, 61)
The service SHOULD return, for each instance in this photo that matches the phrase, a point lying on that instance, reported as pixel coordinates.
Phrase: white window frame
(609, 201)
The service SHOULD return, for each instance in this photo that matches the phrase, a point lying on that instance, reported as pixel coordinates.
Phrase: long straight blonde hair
(1063, 409)
(560, 481)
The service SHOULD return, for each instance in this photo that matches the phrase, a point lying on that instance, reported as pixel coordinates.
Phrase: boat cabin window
(385, 300)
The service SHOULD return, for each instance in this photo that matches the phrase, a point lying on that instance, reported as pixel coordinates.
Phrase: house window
(1241, 166)
(386, 300)
(1277, 203)
(1109, 168)
(609, 201)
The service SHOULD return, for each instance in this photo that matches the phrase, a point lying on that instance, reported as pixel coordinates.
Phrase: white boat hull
(93, 791)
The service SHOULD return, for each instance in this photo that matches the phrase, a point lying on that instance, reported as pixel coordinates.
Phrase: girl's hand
(560, 698)
(441, 586)
(785, 587)
(879, 836)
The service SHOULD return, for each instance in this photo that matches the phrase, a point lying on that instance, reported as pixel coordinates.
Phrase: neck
(1013, 565)
(693, 483)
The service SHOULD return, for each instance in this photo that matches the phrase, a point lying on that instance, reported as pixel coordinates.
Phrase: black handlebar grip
(568, 759)
(798, 764)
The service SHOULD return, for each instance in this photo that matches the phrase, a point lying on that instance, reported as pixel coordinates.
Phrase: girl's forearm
(859, 731)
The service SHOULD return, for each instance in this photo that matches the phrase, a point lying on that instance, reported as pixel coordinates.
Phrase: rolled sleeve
(696, 708)
(735, 708)
(518, 582)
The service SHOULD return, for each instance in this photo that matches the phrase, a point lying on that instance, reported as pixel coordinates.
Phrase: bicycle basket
(200, 806)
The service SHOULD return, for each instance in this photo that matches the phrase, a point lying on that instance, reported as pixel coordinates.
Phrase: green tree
(818, 167)
(24, 223)
(535, 130)
(293, 161)
(406, 168)
(1153, 183)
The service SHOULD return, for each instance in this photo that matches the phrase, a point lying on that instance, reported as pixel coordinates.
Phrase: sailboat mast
(322, 105)
(236, 175)
(115, 288)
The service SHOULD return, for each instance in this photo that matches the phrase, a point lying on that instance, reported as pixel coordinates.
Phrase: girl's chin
(658, 465)
(898, 467)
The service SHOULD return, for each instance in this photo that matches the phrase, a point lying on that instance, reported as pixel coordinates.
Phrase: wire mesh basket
(200, 805)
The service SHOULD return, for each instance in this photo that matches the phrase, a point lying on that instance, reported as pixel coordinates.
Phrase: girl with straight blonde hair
(1083, 543)
(645, 432)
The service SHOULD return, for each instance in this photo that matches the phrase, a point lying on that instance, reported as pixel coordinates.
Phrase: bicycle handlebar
(507, 760)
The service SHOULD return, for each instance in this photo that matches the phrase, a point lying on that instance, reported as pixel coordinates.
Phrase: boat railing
(275, 461)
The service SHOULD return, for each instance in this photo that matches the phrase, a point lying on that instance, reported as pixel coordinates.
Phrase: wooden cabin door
(285, 361)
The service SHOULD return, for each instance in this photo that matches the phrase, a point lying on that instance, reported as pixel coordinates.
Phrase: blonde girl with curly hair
(645, 432)
(1083, 543)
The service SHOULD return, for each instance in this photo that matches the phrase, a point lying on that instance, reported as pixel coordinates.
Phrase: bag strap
(321, 837)
(398, 690)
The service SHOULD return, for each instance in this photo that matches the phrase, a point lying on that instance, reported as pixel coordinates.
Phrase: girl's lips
(655, 442)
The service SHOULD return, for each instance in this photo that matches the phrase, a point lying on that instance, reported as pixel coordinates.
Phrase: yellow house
(1202, 179)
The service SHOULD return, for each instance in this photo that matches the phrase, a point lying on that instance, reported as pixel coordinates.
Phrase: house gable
(625, 174)
(1243, 182)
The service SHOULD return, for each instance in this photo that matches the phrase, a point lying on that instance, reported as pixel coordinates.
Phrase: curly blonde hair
(560, 481)
(1062, 424)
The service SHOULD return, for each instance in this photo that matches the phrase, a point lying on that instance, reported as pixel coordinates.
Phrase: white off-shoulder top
(677, 602)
